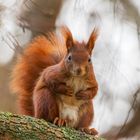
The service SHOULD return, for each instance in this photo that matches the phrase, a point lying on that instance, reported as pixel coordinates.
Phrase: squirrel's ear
(92, 39)
(68, 37)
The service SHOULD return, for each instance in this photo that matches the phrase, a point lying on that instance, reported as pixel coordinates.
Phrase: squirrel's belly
(70, 113)
(69, 106)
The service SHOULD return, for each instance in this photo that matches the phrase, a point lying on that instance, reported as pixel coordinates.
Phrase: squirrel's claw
(69, 91)
(91, 131)
(81, 95)
(59, 122)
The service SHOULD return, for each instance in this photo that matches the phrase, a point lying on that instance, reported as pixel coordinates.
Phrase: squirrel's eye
(89, 60)
(69, 58)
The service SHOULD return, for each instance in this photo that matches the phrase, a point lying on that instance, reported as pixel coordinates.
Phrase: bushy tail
(41, 53)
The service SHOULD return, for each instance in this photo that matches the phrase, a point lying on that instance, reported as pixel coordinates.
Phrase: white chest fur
(70, 113)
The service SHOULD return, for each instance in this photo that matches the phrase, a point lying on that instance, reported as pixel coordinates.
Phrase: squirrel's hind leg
(45, 105)
(86, 120)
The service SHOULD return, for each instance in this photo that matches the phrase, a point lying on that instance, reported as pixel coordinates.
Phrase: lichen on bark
(18, 127)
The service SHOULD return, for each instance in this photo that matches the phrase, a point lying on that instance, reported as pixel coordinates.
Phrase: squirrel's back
(39, 54)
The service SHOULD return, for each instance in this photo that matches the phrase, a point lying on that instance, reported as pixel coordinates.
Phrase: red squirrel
(55, 80)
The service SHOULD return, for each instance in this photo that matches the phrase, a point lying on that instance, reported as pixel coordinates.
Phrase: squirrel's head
(78, 58)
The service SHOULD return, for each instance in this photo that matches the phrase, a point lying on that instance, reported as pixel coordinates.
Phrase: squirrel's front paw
(84, 95)
(62, 88)
(80, 95)
(69, 91)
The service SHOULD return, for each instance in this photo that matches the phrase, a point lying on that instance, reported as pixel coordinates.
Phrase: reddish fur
(37, 56)
(40, 73)
(43, 104)
(84, 120)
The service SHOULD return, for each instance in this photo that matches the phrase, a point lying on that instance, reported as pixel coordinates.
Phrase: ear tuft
(92, 39)
(67, 36)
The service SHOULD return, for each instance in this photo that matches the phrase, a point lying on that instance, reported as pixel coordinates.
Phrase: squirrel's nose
(78, 71)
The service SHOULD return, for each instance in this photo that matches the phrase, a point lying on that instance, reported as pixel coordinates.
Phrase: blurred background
(116, 57)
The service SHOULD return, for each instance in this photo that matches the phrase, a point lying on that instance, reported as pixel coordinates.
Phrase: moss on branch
(18, 127)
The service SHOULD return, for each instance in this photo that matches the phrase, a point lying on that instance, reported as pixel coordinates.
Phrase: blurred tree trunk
(39, 16)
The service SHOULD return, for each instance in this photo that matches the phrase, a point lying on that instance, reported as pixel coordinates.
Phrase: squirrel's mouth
(78, 74)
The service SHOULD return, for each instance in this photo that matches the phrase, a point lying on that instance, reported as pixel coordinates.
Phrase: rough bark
(13, 126)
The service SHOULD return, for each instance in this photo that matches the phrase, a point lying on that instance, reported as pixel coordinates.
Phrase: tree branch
(13, 126)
